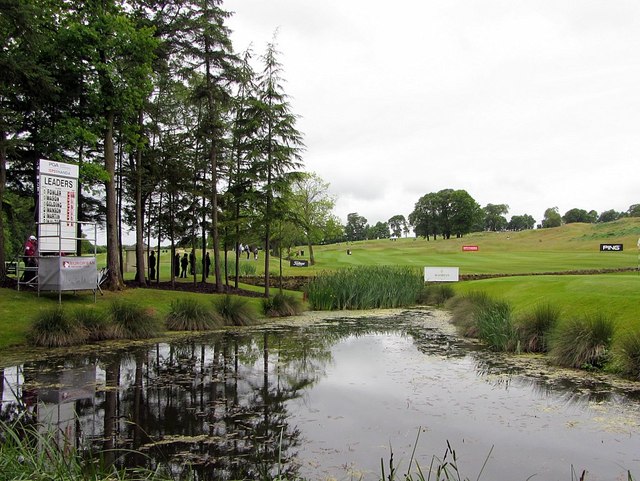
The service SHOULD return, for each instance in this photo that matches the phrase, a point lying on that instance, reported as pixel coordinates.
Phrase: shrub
(627, 354)
(534, 327)
(465, 310)
(495, 326)
(190, 315)
(436, 294)
(366, 287)
(131, 321)
(95, 322)
(53, 328)
(582, 342)
(281, 305)
(234, 311)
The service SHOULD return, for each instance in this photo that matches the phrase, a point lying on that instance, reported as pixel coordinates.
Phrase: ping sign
(611, 247)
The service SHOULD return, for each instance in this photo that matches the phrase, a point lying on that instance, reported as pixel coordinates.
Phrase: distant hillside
(572, 247)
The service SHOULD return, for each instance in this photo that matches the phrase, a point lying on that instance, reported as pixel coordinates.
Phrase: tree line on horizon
(454, 213)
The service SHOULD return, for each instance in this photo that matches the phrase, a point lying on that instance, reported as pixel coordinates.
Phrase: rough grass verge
(582, 342)
(131, 321)
(235, 311)
(54, 328)
(281, 305)
(187, 314)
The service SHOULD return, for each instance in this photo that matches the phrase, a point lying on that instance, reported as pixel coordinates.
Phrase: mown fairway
(567, 248)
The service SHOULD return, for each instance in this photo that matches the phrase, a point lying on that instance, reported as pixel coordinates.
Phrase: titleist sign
(610, 247)
(296, 263)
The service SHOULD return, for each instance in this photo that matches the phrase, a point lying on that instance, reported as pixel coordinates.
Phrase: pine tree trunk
(114, 279)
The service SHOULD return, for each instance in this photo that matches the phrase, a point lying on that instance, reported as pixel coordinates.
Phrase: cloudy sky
(531, 103)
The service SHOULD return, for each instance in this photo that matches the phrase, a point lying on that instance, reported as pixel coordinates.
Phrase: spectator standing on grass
(192, 262)
(184, 263)
(176, 265)
(207, 265)
(152, 266)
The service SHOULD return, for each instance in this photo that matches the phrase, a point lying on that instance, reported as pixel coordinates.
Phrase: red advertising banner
(470, 248)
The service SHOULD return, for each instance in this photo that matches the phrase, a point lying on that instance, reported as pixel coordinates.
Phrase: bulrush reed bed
(366, 287)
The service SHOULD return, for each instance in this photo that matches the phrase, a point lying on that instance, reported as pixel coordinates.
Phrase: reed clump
(95, 322)
(496, 326)
(54, 328)
(534, 327)
(191, 315)
(131, 321)
(582, 342)
(234, 311)
(281, 305)
(627, 354)
(365, 287)
(436, 294)
(465, 310)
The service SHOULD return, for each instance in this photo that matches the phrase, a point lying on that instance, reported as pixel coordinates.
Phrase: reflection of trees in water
(217, 408)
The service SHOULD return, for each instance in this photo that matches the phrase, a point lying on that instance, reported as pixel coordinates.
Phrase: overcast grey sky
(531, 103)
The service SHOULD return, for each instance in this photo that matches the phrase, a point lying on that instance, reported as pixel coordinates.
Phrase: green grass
(616, 295)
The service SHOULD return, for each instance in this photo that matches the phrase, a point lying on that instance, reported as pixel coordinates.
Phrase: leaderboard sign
(58, 206)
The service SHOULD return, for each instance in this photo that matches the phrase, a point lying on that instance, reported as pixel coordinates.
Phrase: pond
(333, 399)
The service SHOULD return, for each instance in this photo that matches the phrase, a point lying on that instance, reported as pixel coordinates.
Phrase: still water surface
(331, 400)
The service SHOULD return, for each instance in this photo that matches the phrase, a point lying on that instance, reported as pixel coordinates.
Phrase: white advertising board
(58, 206)
(441, 274)
(67, 273)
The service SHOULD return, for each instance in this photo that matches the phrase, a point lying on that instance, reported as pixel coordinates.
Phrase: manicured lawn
(617, 295)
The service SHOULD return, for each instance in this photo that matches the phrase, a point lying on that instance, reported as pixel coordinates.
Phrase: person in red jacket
(30, 256)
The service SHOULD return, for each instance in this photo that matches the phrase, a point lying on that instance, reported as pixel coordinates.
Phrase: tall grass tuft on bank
(234, 311)
(95, 322)
(131, 321)
(28, 453)
(534, 327)
(188, 314)
(366, 287)
(582, 342)
(436, 294)
(465, 310)
(54, 328)
(627, 354)
(281, 305)
(496, 326)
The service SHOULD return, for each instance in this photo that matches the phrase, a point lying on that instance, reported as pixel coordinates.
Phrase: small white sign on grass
(441, 274)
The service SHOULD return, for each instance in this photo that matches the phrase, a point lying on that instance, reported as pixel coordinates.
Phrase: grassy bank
(19, 309)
